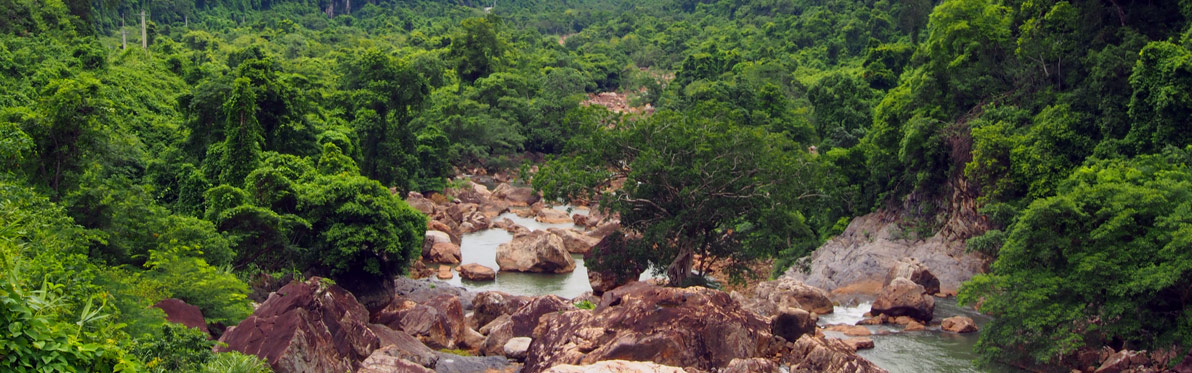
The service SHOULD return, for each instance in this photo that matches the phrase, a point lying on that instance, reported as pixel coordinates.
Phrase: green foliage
(178, 348)
(235, 362)
(242, 148)
(1105, 259)
(585, 305)
(221, 296)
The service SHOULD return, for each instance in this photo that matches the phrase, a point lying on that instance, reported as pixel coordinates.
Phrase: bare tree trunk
(144, 33)
(680, 268)
(186, 21)
(348, 7)
(123, 34)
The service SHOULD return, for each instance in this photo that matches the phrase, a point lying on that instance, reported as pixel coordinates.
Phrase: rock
(493, 209)
(912, 269)
(444, 273)
(574, 241)
(452, 232)
(792, 323)
(488, 328)
(814, 354)
(552, 216)
(306, 327)
(580, 219)
(516, 196)
(472, 339)
(603, 281)
(1185, 366)
(383, 360)
(490, 305)
(471, 192)
(439, 322)
(905, 298)
(516, 348)
(539, 251)
(432, 238)
(615, 366)
(421, 291)
(420, 203)
(603, 230)
(770, 296)
(526, 318)
(476, 272)
(451, 363)
(500, 331)
(860, 343)
(1122, 361)
(850, 330)
(180, 312)
(459, 211)
(752, 365)
(474, 222)
(959, 324)
(692, 327)
(877, 320)
(444, 252)
(403, 346)
(914, 326)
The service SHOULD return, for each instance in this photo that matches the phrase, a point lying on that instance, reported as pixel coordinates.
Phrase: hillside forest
(182, 149)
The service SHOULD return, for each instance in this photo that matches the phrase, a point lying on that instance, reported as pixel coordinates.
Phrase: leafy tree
(221, 296)
(476, 49)
(242, 148)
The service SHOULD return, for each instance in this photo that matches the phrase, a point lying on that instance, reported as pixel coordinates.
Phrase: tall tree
(242, 147)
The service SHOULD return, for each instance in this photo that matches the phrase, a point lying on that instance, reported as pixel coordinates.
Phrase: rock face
(384, 361)
(869, 247)
(538, 251)
(403, 346)
(490, 305)
(516, 196)
(959, 324)
(616, 366)
(433, 237)
(516, 348)
(306, 327)
(180, 312)
(438, 322)
(792, 323)
(771, 296)
(444, 252)
(904, 298)
(574, 241)
(476, 272)
(813, 354)
(1122, 361)
(754, 365)
(686, 327)
(860, 343)
(912, 269)
(528, 317)
(552, 216)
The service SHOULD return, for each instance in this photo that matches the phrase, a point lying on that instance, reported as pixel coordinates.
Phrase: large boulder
(452, 363)
(180, 312)
(516, 196)
(444, 252)
(552, 216)
(438, 322)
(500, 331)
(493, 209)
(751, 365)
(685, 327)
(1124, 361)
(912, 269)
(768, 297)
(574, 241)
(432, 238)
(422, 290)
(527, 317)
(792, 323)
(476, 272)
(516, 347)
(384, 360)
(816, 354)
(403, 346)
(616, 366)
(490, 305)
(420, 203)
(471, 192)
(904, 298)
(306, 327)
(959, 324)
(538, 251)
(452, 231)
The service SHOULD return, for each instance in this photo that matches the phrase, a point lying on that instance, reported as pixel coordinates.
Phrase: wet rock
(490, 305)
(574, 241)
(850, 330)
(306, 327)
(403, 346)
(860, 343)
(616, 366)
(959, 324)
(444, 252)
(516, 196)
(384, 361)
(792, 323)
(527, 317)
(444, 273)
(914, 326)
(752, 365)
(813, 354)
(538, 251)
(516, 348)
(476, 272)
(876, 320)
(180, 312)
(770, 296)
(905, 298)
(451, 363)
(685, 327)
(912, 269)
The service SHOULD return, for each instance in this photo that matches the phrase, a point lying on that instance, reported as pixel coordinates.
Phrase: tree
(1106, 260)
(242, 147)
(692, 186)
(476, 49)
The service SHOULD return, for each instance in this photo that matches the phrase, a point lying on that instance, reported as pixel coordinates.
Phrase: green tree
(242, 147)
(476, 49)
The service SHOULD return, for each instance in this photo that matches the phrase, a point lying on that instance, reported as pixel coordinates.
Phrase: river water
(931, 350)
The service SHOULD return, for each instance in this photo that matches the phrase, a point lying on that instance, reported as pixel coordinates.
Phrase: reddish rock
(683, 327)
(435, 225)
(751, 365)
(770, 296)
(903, 297)
(792, 323)
(959, 324)
(430, 239)
(384, 361)
(603, 230)
(476, 272)
(490, 305)
(444, 252)
(552, 216)
(860, 343)
(616, 366)
(912, 269)
(516, 196)
(493, 209)
(814, 354)
(444, 273)
(850, 330)
(1122, 361)
(439, 322)
(180, 312)
(403, 346)
(539, 251)
(574, 241)
(306, 327)
(526, 318)
(914, 326)
(580, 220)
(471, 192)
(420, 203)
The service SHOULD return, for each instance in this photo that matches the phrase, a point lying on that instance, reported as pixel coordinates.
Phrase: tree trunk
(144, 33)
(680, 268)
